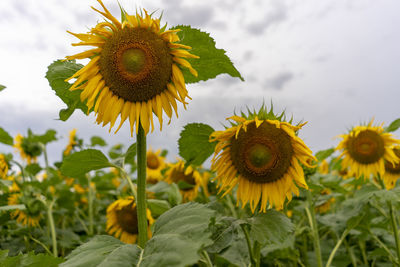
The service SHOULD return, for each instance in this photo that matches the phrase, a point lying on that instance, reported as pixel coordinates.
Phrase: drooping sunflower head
(72, 142)
(3, 167)
(134, 70)
(155, 164)
(27, 149)
(261, 154)
(188, 179)
(365, 149)
(392, 171)
(122, 220)
(31, 215)
(325, 204)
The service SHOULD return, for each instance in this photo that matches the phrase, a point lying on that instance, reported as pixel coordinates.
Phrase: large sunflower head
(188, 179)
(155, 164)
(365, 149)
(3, 167)
(392, 171)
(261, 154)
(134, 69)
(122, 220)
(27, 149)
(72, 142)
(31, 215)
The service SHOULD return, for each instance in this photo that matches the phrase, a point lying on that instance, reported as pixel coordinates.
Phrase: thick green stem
(333, 252)
(363, 253)
(395, 229)
(141, 186)
(207, 259)
(52, 227)
(90, 203)
(46, 161)
(314, 228)
(248, 241)
(21, 168)
(257, 253)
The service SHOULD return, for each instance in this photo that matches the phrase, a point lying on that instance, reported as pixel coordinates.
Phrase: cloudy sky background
(332, 63)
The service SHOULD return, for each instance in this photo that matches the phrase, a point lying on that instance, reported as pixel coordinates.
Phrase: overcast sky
(332, 63)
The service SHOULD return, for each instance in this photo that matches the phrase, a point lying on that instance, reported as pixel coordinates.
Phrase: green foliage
(56, 74)
(103, 251)
(2, 87)
(212, 61)
(393, 126)
(323, 154)
(33, 168)
(158, 206)
(28, 260)
(97, 141)
(13, 207)
(84, 161)
(5, 138)
(194, 145)
(47, 137)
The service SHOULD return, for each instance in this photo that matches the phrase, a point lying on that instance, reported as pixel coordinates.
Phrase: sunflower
(392, 172)
(325, 204)
(31, 215)
(3, 167)
(72, 142)
(262, 155)
(365, 150)
(155, 164)
(324, 167)
(28, 151)
(188, 179)
(122, 220)
(134, 70)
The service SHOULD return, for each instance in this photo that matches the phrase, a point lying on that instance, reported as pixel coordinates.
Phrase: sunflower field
(250, 193)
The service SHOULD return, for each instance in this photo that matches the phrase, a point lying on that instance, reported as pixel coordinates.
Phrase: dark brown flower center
(179, 175)
(367, 147)
(127, 219)
(136, 64)
(263, 154)
(153, 162)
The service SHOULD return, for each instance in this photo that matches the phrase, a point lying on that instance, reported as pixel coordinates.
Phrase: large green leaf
(194, 145)
(212, 61)
(270, 227)
(28, 260)
(158, 206)
(5, 137)
(103, 251)
(84, 161)
(56, 74)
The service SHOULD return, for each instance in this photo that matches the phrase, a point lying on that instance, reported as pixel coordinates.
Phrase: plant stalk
(52, 228)
(141, 186)
(248, 241)
(310, 210)
(395, 229)
(333, 252)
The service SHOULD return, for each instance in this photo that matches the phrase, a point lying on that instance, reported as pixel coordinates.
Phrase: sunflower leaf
(5, 138)
(393, 126)
(158, 206)
(212, 61)
(56, 74)
(97, 141)
(47, 137)
(84, 161)
(2, 87)
(323, 154)
(103, 251)
(29, 259)
(194, 145)
(270, 227)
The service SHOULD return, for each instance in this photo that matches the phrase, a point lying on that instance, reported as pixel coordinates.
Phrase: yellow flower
(323, 167)
(261, 155)
(3, 167)
(190, 176)
(122, 220)
(72, 142)
(325, 205)
(133, 70)
(392, 172)
(365, 149)
(27, 151)
(79, 189)
(30, 216)
(155, 164)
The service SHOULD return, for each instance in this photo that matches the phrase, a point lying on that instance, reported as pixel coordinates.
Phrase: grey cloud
(275, 15)
(197, 15)
(280, 80)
